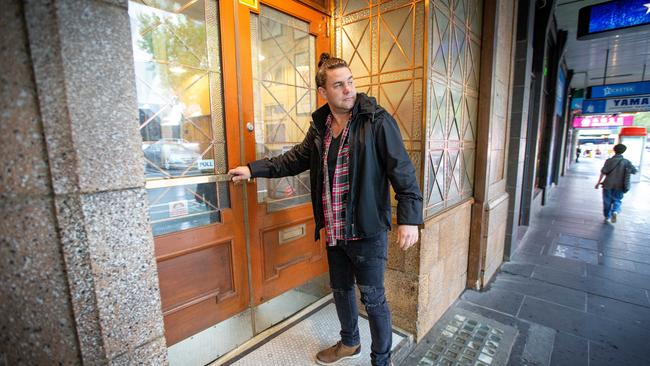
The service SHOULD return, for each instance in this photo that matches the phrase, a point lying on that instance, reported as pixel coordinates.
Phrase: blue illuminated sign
(559, 93)
(620, 90)
(619, 14)
(576, 103)
(590, 106)
(613, 15)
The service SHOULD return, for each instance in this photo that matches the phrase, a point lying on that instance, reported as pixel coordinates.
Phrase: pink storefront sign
(602, 121)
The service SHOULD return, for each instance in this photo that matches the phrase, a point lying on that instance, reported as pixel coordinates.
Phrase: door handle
(250, 126)
(224, 177)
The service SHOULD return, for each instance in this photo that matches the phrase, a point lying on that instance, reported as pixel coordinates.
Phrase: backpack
(627, 176)
(627, 173)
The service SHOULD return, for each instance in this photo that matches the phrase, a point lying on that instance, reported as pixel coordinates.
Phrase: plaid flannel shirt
(334, 201)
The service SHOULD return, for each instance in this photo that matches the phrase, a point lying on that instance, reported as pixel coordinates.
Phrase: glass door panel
(288, 266)
(180, 104)
(283, 54)
(191, 103)
(198, 234)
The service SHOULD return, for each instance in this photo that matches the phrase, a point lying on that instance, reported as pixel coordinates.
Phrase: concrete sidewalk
(575, 293)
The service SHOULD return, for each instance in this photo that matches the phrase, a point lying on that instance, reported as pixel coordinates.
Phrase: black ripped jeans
(365, 261)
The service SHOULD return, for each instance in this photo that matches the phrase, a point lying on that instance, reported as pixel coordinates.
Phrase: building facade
(123, 240)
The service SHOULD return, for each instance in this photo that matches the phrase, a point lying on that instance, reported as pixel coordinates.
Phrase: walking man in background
(616, 171)
(353, 150)
(578, 153)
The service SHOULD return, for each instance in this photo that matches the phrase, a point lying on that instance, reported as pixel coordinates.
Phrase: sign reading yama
(639, 103)
(602, 121)
(612, 16)
(620, 90)
(630, 104)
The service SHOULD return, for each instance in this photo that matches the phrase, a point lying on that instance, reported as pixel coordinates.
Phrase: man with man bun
(355, 153)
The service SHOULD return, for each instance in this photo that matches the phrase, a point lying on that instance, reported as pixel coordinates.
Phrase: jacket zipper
(355, 169)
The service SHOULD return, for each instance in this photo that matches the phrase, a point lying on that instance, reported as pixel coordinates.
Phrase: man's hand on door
(240, 173)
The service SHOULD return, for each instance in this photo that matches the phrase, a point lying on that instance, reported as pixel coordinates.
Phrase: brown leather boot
(336, 353)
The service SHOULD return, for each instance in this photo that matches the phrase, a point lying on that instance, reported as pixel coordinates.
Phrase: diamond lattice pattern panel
(383, 43)
(283, 72)
(452, 101)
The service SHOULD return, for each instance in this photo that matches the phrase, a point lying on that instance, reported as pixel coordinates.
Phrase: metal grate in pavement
(469, 339)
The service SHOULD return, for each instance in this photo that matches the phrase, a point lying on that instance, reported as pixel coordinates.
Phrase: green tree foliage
(176, 43)
(175, 39)
(642, 119)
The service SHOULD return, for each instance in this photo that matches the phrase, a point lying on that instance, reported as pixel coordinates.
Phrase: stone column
(490, 210)
(530, 200)
(78, 270)
(519, 121)
(35, 303)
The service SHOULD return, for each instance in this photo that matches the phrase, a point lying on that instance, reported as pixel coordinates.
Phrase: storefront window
(180, 103)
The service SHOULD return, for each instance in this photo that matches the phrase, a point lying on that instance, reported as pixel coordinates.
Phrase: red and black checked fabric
(334, 201)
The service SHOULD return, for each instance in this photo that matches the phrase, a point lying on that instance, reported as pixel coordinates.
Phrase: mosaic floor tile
(298, 345)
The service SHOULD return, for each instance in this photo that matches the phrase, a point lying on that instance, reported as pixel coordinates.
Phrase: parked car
(171, 153)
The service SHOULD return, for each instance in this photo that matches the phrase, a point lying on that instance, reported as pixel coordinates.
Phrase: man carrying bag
(616, 171)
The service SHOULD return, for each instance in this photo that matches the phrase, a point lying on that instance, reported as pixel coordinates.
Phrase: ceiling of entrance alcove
(627, 52)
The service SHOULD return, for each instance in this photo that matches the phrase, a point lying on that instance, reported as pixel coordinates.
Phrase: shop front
(221, 83)
(134, 112)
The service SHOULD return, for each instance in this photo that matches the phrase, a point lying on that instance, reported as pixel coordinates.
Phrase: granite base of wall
(112, 273)
(422, 282)
(443, 264)
(535, 206)
(37, 324)
(497, 217)
(78, 278)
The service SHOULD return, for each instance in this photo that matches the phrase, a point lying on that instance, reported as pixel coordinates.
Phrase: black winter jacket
(377, 156)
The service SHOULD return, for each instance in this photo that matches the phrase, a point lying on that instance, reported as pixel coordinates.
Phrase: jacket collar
(363, 105)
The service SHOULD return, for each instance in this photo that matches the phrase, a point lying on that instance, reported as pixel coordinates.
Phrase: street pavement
(576, 291)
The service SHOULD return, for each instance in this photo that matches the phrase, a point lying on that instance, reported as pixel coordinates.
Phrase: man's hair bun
(325, 63)
(323, 57)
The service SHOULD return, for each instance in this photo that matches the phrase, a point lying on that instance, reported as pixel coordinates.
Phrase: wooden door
(189, 122)
(281, 42)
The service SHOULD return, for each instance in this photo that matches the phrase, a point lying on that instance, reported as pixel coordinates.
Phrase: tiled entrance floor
(299, 344)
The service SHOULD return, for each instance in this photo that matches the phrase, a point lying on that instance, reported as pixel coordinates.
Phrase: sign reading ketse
(619, 90)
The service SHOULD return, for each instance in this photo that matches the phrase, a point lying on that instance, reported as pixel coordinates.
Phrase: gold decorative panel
(383, 42)
(452, 102)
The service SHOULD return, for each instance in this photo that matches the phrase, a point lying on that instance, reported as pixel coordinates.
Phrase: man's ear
(322, 92)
